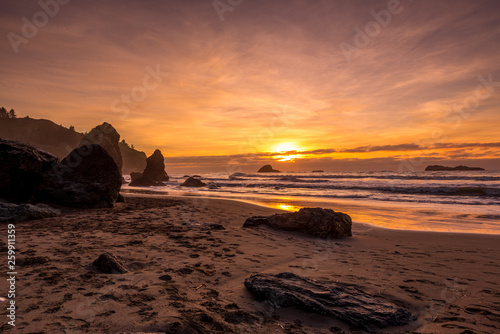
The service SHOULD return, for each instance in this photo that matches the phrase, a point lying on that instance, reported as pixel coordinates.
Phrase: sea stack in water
(434, 168)
(106, 136)
(268, 169)
(318, 222)
(21, 168)
(87, 178)
(153, 174)
(192, 182)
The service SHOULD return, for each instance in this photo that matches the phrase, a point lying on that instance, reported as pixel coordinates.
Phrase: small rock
(192, 182)
(212, 185)
(10, 212)
(108, 263)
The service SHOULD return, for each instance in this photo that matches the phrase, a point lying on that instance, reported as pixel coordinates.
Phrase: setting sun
(287, 149)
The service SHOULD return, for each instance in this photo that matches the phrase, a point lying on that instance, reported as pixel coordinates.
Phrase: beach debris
(338, 300)
(154, 173)
(87, 178)
(108, 263)
(318, 222)
(10, 212)
(192, 182)
(268, 169)
(22, 168)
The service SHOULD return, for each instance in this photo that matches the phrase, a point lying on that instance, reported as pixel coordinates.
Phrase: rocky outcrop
(132, 159)
(87, 178)
(106, 136)
(345, 302)
(192, 182)
(155, 167)
(153, 174)
(318, 222)
(108, 263)
(268, 169)
(21, 168)
(10, 212)
(433, 168)
(60, 141)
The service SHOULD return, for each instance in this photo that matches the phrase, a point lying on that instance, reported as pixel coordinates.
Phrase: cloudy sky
(336, 84)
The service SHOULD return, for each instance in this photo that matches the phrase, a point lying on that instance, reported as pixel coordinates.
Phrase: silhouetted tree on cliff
(3, 113)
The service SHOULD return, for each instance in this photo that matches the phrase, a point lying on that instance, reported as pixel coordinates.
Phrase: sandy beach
(189, 258)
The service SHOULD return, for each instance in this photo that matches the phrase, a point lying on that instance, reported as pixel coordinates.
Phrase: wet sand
(187, 272)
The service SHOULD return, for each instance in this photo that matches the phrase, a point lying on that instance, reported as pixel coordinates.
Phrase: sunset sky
(340, 85)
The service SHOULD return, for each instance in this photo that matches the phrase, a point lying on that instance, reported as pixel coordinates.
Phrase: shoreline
(396, 216)
(183, 272)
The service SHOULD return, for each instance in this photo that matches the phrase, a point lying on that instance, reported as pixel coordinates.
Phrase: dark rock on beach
(318, 222)
(192, 182)
(87, 178)
(432, 168)
(153, 174)
(108, 263)
(10, 212)
(338, 300)
(134, 176)
(268, 169)
(21, 169)
(144, 181)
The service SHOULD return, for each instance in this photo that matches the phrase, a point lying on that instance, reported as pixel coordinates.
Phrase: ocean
(456, 201)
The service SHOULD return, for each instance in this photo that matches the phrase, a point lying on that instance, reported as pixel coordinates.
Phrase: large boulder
(268, 169)
(87, 178)
(338, 300)
(106, 136)
(21, 168)
(193, 182)
(10, 212)
(318, 222)
(154, 173)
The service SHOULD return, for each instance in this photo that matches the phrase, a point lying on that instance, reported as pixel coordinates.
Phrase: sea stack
(268, 169)
(153, 174)
(106, 136)
(433, 168)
